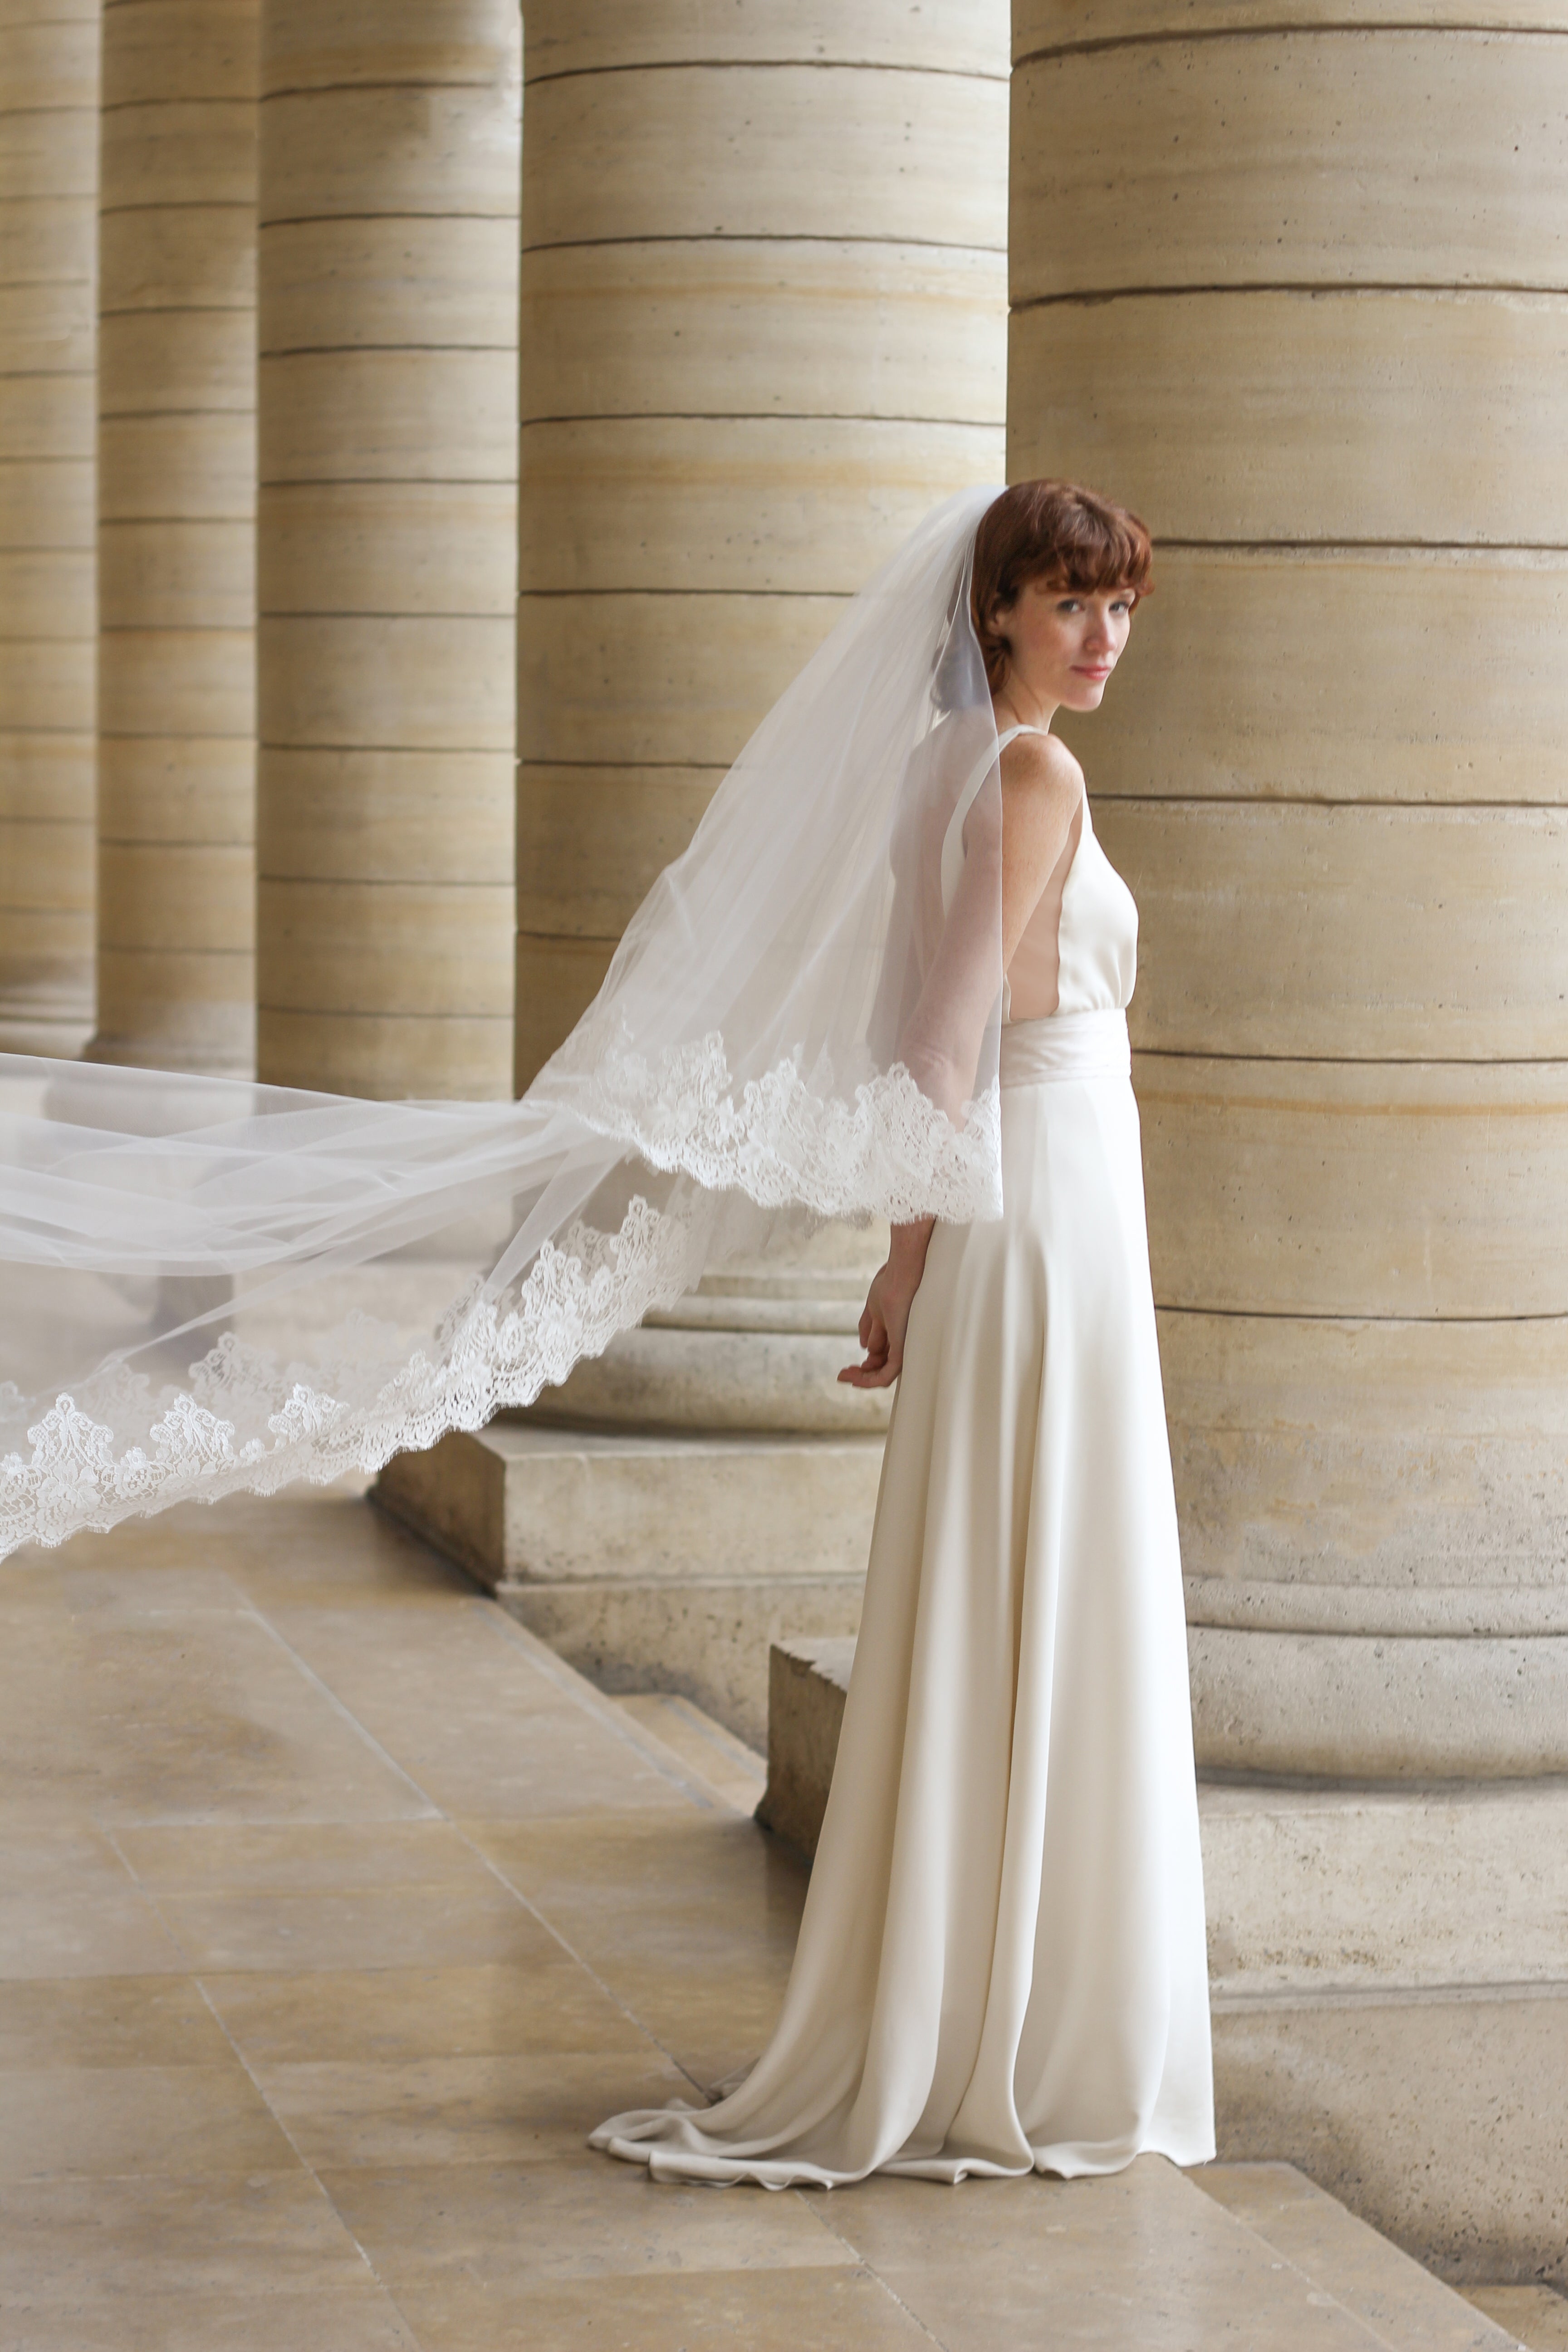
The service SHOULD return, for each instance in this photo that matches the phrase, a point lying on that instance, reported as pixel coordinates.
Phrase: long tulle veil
(213, 1285)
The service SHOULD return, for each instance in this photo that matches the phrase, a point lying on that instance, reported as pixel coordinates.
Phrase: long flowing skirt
(1002, 1963)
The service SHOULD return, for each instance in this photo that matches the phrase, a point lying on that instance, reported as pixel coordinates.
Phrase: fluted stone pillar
(761, 305)
(49, 236)
(762, 332)
(386, 558)
(1301, 296)
(176, 496)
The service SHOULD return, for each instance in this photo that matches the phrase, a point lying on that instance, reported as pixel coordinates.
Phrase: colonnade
(48, 249)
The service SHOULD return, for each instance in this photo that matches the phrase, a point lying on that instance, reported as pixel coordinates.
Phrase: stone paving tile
(518, 1745)
(195, 2120)
(1140, 2258)
(291, 1857)
(70, 2241)
(509, 2227)
(1399, 2299)
(105, 2021)
(406, 1925)
(190, 1715)
(799, 2310)
(460, 2111)
(342, 2319)
(541, 2001)
(72, 1908)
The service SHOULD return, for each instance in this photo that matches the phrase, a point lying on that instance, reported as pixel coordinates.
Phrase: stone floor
(336, 1911)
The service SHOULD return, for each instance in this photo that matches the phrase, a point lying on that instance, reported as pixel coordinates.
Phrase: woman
(1001, 1964)
(888, 977)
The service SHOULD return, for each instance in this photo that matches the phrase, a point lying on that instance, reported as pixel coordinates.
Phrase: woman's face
(1064, 644)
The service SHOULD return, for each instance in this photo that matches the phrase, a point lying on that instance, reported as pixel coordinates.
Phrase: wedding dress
(1002, 1964)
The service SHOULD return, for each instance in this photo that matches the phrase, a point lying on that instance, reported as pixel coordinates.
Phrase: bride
(1001, 1964)
(889, 979)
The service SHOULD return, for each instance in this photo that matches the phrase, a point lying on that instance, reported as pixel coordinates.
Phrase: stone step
(1349, 2267)
(519, 1502)
(726, 1767)
(654, 1563)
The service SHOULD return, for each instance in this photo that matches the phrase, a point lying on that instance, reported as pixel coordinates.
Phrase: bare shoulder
(1041, 766)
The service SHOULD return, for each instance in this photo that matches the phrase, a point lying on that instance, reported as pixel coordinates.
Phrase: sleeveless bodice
(1093, 930)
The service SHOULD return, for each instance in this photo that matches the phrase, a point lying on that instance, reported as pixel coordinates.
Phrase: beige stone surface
(1333, 154)
(1437, 2119)
(797, 148)
(630, 329)
(1467, 959)
(1363, 412)
(1415, 1463)
(48, 210)
(649, 679)
(755, 344)
(598, 34)
(1354, 1188)
(432, 1909)
(176, 507)
(387, 553)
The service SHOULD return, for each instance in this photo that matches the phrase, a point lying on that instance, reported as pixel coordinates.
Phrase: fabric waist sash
(1065, 1046)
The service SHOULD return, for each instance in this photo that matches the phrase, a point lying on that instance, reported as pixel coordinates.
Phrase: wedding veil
(213, 1285)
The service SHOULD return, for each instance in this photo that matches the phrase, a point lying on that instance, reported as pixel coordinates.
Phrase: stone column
(1301, 296)
(762, 332)
(48, 236)
(176, 501)
(386, 557)
(761, 306)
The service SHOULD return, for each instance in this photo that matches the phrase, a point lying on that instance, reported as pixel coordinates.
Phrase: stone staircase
(685, 1499)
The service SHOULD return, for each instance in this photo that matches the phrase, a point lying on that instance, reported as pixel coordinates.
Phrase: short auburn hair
(1060, 533)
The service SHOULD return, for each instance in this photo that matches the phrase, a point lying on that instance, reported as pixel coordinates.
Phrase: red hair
(1057, 532)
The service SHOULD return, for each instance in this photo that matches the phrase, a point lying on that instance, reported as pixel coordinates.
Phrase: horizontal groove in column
(359, 882)
(1333, 1315)
(400, 212)
(381, 613)
(355, 744)
(354, 1013)
(755, 417)
(1368, 1061)
(420, 86)
(759, 65)
(753, 236)
(178, 310)
(1349, 289)
(730, 596)
(385, 350)
(1330, 29)
(178, 204)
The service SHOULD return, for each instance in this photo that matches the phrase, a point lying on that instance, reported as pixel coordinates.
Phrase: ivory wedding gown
(1002, 1964)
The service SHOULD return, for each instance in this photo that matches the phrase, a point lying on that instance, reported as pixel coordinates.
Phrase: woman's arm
(886, 1314)
(1042, 786)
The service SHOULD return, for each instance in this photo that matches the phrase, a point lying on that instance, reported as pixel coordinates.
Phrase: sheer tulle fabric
(211, 1284)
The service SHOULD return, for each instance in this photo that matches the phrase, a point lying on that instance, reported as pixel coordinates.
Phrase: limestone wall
(389, 174)
(762, 332)
(176, 498)
(49, 235)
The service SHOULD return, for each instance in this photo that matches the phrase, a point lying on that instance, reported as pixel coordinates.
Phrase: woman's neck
(1015, 706)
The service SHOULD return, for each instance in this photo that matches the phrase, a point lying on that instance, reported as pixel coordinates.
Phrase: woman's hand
(886, 1315)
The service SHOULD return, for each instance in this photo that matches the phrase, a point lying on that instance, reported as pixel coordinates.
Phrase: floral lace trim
(891, 1151)
(248, 1423)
